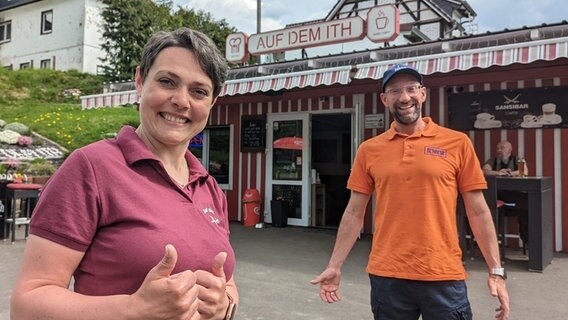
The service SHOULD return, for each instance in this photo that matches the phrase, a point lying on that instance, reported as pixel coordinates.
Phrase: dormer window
(46, 22)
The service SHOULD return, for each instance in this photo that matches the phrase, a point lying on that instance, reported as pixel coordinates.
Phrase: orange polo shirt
(416, 179)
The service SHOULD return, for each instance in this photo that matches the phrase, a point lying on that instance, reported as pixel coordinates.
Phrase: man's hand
(498, 288)
(213, 300)
(166, 296)
(329, 285)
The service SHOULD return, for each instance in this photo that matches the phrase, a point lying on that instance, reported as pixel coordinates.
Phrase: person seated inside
(506, 164)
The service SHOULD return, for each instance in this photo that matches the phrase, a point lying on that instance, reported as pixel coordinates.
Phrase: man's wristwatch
(231, 309)
(500, 272)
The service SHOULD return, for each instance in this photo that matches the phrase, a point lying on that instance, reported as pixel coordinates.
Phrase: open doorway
(331, 158)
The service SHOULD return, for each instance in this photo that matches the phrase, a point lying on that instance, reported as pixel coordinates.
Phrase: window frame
(25, 65)
(44, 16)
(205, 155)
(45, 64)
(7, 32)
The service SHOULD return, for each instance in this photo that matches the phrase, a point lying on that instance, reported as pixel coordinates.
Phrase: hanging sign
(382, 25)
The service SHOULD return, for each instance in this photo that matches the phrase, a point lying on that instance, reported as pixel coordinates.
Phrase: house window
(214, 148)
(45, 64)
(9, 67)
(25, 65)
(46, 22)
(5, 31)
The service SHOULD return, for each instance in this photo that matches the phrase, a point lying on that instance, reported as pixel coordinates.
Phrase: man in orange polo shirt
(416, 168)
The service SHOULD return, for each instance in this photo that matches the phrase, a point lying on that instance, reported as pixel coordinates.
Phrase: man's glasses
(410, 90)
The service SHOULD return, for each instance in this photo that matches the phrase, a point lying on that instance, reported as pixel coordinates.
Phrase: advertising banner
(509, 109)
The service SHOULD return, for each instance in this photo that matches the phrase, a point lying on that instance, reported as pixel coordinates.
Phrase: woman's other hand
(166, 296)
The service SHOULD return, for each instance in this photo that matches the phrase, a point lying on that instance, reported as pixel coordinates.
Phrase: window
(214, 147)
(5, 31)
(45, 64)
(46, 22)
(25, 65)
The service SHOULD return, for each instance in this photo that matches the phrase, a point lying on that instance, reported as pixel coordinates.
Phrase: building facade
(291, 129)
(51, 34)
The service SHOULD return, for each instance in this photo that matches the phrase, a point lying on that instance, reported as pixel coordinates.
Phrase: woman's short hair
(204, 49)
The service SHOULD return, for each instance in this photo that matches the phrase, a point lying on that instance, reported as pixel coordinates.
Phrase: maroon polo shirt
(114, 201)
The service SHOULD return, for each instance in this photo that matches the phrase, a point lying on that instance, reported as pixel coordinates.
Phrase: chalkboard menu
(253, 133)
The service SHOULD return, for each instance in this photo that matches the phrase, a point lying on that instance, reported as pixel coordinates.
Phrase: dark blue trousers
(399, 299)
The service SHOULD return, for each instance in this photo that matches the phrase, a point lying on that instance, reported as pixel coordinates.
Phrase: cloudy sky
(492, 15)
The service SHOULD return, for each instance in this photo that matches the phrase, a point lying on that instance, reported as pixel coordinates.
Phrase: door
(288, 165)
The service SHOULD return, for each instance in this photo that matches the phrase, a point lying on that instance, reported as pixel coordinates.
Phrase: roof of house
(347, 8)
(11, 4)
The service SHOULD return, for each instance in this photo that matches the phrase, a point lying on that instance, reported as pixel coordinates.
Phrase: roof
(11, 4)
(348, 8)
(523, 45)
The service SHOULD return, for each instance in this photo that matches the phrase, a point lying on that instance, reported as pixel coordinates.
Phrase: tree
(217, 30)
(128, 24)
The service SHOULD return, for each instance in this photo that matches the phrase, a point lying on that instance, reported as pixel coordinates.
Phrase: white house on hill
(52, 34)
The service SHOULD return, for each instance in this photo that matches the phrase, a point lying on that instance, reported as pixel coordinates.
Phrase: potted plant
(40, 170)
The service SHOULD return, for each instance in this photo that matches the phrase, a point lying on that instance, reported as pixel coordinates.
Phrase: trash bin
(251, 207)
(279, 210)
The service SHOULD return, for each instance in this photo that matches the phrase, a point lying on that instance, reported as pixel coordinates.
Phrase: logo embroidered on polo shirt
(437, 152)
(211, 213)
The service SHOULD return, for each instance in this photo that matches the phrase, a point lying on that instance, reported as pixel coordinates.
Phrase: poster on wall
(509, 109)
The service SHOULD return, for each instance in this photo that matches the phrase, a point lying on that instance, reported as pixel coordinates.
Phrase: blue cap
(400, 69)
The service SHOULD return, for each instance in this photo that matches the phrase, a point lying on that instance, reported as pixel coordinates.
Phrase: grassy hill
(43, 100)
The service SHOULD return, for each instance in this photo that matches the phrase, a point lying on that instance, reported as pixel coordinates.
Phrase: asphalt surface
(275, 265)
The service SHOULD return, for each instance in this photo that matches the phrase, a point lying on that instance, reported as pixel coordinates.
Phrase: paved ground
(274, 266)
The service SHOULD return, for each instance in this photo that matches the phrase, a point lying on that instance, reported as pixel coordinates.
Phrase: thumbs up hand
(213, 298)
(166, 296)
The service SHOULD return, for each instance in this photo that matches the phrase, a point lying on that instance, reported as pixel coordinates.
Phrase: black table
(539, 192)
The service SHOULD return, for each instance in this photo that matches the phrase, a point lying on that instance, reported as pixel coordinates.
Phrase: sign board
(253, 133)
(374, 121)
(383, 23)
(236, 47)
(509, 109)
(311, 35)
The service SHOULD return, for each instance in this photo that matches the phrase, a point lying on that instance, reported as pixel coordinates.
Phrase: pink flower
(24, 140)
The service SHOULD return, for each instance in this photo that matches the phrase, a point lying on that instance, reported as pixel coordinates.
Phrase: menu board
(253, 133)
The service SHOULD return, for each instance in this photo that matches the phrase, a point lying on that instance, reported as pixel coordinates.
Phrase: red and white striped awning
(316, 77)
(111, 99)
(524, 53)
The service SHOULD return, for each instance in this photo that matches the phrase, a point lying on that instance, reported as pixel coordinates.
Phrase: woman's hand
(166, 296)
(213, 300)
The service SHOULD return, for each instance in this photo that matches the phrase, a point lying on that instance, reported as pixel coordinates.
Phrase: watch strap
(231, 308)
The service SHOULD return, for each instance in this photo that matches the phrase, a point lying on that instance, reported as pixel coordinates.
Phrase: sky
(492, 15)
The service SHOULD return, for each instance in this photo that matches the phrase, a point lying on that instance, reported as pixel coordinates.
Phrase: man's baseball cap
(400, 69)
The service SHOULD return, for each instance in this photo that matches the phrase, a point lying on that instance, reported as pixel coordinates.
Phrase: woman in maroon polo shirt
(137, 221)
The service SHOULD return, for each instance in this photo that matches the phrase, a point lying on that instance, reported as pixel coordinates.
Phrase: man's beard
(407, 118)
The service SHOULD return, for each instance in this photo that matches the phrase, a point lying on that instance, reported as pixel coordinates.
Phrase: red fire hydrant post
(251, 207)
